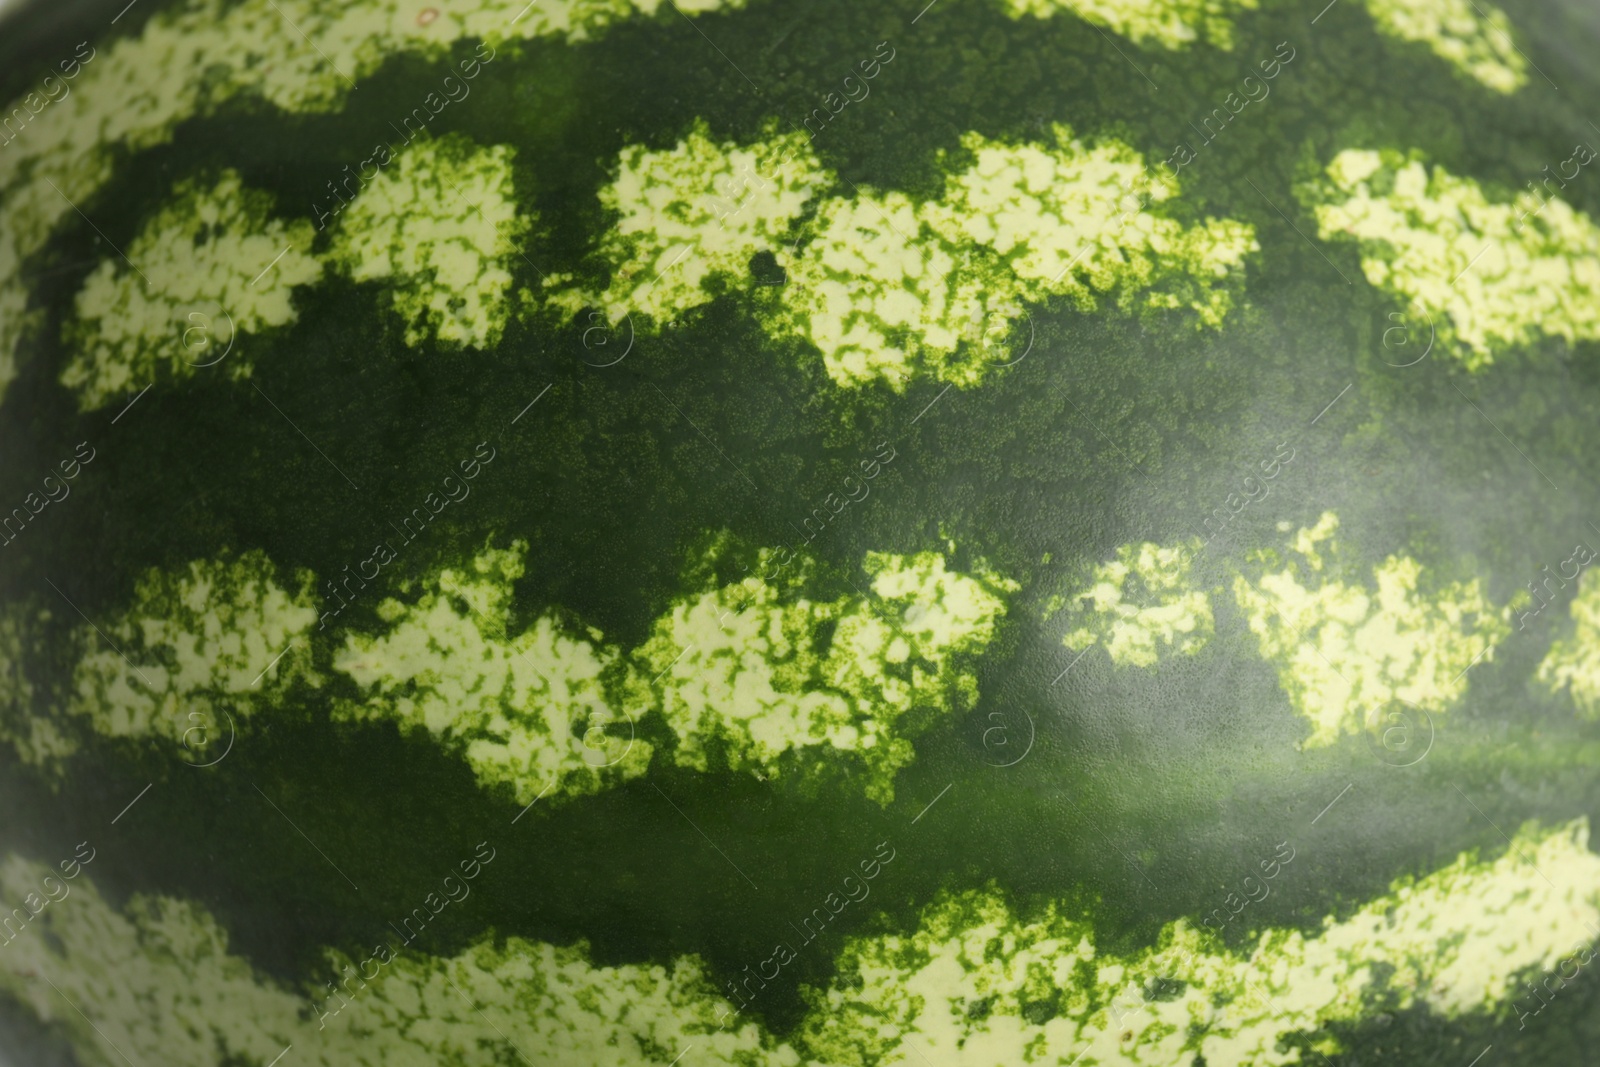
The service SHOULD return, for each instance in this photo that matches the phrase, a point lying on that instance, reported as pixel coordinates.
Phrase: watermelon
(977, 532)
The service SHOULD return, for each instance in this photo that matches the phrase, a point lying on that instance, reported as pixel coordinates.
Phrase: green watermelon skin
(1062, 755)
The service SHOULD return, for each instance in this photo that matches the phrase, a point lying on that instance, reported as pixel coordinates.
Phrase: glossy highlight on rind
(678, 733)
(1347, 650)
(1141, 605)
